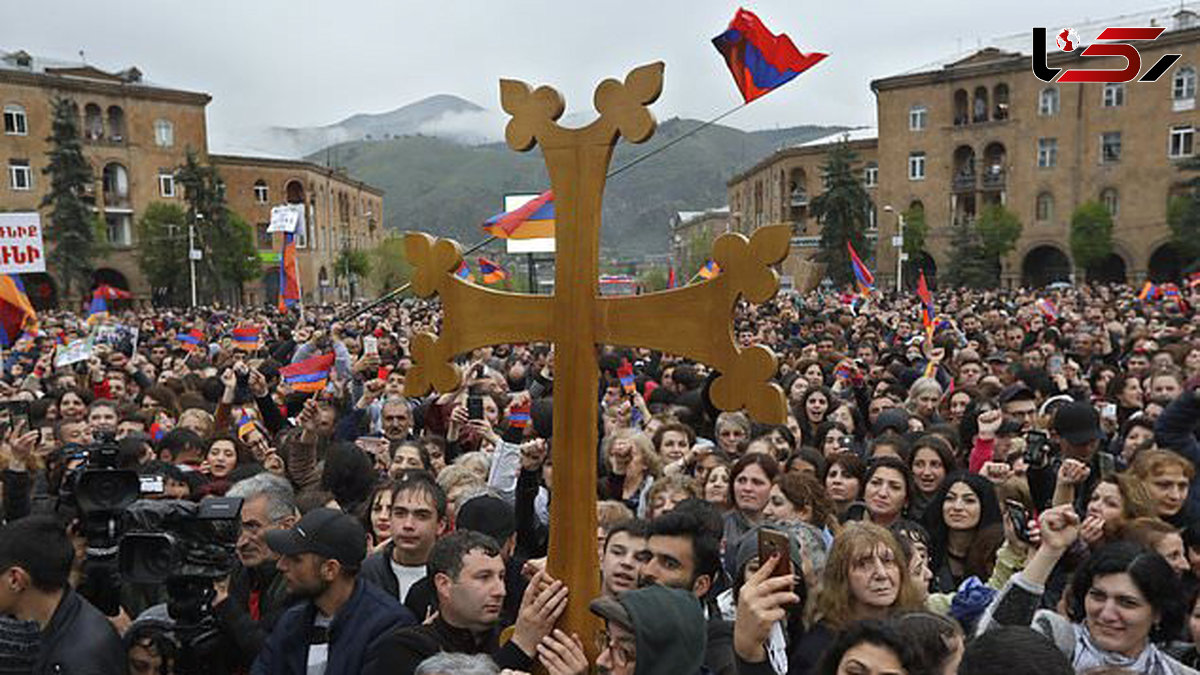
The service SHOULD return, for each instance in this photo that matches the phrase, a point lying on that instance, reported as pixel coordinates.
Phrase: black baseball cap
(1017, 391)
(326, 532)
(1078, 423)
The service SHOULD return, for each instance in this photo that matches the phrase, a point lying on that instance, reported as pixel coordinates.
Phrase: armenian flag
(518, 415)
(533, 220)
(862, 276)
(289, 274)
(464, 272)
(928, 313)
(191, 340)
(625, 374)
(1047, 308)
(1149, 292)
(710, 270)
(247, 338)
(97, 310)
(309, 375)
(491, 272)
(760, 60)
(16, 312)
(111, 293)
(244, 426)
(671, 283)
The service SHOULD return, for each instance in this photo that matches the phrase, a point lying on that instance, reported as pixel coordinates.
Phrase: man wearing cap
(335, 630)
(651, 631)
(1077, 435)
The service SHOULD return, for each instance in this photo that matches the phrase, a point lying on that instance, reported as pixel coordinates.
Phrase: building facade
(136, 134)
(341, 214)
(984, 130)
(780, 189)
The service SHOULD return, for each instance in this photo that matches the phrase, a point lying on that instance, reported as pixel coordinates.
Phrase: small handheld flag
(191, 340)
(491, 272)
(927, 311)
(671, 277)
(464, 272)
(533, 220)
(625, 373)
(759, 60)
(247, 338)
(862, 276)
(710, 270)
(1047, 308)
(309, 375)
(518, 415)
(1149, 292)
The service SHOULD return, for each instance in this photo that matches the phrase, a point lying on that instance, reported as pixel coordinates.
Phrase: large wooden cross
(694, 322)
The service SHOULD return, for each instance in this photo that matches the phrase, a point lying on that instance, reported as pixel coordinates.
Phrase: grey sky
(310, 62)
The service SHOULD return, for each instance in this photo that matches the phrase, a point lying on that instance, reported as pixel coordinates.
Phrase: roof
(686, 217)
(859, 134)
(294, 164)
(19, 62)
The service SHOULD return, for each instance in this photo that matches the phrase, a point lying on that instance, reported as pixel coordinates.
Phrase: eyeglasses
(622, 655)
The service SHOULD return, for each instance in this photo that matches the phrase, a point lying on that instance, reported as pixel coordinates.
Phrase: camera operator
(35, 563)
(1078, 463)
(257, 591)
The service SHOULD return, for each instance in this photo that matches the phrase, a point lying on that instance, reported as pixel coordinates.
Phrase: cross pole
(576, 319)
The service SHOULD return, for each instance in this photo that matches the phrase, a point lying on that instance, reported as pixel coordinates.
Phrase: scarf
(1088, 656)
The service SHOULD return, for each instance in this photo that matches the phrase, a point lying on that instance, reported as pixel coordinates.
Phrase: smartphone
(151, 485)
(1054, 364)
(1108, 411)
(1019, 518)
(1037, 448)
(370, 345)
(475, 407)
(772, 542)
(1108, 466)
(16, 413)
(480, 373)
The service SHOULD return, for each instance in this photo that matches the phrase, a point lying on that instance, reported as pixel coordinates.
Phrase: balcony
(113, 200)
(799, 198)
(806, 242)
(993, 179)
(964, 181)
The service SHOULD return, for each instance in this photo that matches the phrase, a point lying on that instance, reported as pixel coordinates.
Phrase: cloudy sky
(313, 62)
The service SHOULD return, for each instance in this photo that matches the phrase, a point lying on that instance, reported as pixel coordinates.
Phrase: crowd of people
(1005, 485)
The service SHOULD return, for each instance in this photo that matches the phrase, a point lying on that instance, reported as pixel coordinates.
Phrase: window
(873, 218)
(1181, 142)
(916, 166)
(1183, 88)
(1110, 147)
(1047, 152)
(118, 229)
(14, 121)
(1045, 207)
(166, 184)
(261, 192)
(918, 116)
(1114, 95)
(871, 175)
(164, 133)
(20, 177)
(1048, 101)
(1110, 200)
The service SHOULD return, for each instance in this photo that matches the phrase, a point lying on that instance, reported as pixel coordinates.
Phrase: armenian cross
(693, 322)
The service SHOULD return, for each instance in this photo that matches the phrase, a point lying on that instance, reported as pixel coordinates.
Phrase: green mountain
(448, 189)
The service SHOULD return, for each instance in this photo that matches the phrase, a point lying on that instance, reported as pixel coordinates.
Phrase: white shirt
(406, 575)
(318, 654)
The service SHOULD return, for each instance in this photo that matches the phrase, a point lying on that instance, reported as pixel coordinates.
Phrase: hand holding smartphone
(773, 542)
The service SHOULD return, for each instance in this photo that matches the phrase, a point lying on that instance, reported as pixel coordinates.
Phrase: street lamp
(898, 243)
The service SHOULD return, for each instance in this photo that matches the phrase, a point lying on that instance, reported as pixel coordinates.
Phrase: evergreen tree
(967, 267)
(843, 210)
(1091, 234)
(230, 256)
(162, 251)
(1183, 215)
(71, 230)
(977, 245)
(389, 264)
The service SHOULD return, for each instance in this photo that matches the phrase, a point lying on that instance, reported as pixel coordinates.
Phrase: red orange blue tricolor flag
(928, 313)
(533, 220)
(289, 274)
(710, 270)
(16, 312)
(491, 272)
(760, 60)
(308, 375)
(862, 276)
(247, 338)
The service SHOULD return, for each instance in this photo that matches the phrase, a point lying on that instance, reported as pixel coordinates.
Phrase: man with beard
(335, 630)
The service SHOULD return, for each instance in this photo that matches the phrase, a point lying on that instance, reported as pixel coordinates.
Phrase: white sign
(539, 245)
(195, 254)
(286, 218)
(76, 351)
(21, 246)
(897, 241)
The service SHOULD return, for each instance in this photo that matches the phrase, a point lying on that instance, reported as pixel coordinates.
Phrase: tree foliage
(162, 251)
(915, 230)
(1091, 234)
(71, 230)
(353, 262)
(1183, 215)
(230, 256)
(977, 245)
(843, 210)
(389, 266)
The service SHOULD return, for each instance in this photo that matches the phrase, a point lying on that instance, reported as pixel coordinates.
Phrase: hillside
(447, 188)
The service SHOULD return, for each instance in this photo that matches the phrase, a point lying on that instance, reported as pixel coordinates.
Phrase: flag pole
(391, 295)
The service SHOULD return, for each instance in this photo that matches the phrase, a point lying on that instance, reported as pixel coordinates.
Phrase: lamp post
(898, 243)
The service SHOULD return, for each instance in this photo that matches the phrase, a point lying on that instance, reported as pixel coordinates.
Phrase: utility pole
(900, 254)
(192, 258)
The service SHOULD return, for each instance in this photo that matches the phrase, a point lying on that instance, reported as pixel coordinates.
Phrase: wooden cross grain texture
(693, 322)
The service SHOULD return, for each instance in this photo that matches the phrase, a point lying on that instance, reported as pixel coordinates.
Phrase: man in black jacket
(336, 630)
(257, 591)
(35, 563)
(467, 572)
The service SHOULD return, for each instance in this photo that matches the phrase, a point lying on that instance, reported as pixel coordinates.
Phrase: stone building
(984, 130)
(136, 134)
